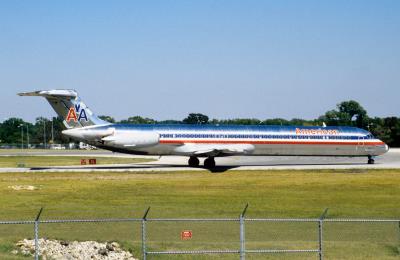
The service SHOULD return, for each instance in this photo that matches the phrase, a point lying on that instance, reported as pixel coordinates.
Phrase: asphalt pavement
(390, 160)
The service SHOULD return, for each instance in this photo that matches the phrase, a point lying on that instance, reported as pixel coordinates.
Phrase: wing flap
(215, 149)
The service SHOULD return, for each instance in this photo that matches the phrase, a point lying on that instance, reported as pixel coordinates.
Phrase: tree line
(348, 113)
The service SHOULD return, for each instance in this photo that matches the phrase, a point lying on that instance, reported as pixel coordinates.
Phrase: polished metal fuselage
(245, 140)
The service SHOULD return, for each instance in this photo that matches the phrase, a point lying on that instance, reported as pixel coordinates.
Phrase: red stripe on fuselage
(268, 142)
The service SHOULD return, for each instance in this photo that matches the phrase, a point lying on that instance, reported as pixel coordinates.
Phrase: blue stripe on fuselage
(233, 128)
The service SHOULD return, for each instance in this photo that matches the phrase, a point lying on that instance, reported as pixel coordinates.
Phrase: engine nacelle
(89, 133)
(132, 139)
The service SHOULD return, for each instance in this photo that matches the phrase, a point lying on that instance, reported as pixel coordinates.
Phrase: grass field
(304, 194)
(41, 161)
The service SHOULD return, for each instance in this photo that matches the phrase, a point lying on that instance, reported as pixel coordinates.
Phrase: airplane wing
(214, 149)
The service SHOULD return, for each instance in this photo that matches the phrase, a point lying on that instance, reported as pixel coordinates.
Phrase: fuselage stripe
(183, 141)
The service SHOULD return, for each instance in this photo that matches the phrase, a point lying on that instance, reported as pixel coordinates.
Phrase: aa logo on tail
(76, 114)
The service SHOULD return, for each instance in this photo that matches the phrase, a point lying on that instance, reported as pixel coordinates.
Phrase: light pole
(22, 135)
(44, 133)
(27, 136)
(52, 131)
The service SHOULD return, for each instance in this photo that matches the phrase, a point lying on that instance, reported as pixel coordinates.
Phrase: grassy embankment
(305, 194)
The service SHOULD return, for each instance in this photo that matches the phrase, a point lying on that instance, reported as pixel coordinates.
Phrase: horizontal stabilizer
(49, 93)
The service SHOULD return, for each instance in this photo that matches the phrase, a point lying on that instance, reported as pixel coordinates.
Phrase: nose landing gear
(370, 160)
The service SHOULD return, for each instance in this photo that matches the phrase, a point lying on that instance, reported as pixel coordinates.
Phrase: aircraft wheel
(193, 161)
(209, 163)
(370, 160)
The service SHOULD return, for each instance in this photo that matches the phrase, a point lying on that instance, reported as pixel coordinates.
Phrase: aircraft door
(361, 143)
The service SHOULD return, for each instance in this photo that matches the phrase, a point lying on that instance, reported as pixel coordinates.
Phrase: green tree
(276, 121)
(236, 121)
(107, 118)
(196, 119)
(169, 122)
(58, 126)
(138, 120)
(42, 131)
(11, 131)
(392, 126)
(347, 113)
(378, 129)
(353, 112)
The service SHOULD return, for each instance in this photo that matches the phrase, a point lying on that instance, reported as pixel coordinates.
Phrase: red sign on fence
(92, 161)
(186, 234)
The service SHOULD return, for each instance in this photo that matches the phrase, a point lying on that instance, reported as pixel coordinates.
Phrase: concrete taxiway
(390, 160)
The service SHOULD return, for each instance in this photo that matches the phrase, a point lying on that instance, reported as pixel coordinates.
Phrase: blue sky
(226, 59)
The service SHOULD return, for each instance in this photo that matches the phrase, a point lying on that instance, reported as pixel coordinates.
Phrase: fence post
(399, 235)
(242, 233)
(36, 231)
(144, 219)
(320, 226)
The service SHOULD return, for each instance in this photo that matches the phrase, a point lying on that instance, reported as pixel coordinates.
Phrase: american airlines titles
(300, 131)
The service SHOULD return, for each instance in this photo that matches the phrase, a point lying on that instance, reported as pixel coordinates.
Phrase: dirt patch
(23, 187)
(69, 250)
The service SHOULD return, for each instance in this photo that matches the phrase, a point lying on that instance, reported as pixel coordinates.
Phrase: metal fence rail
(241, 221)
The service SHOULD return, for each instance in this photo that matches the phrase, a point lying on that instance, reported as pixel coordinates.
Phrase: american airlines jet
(208, 141)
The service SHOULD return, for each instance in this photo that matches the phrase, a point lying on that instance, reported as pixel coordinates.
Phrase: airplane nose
(386, 148)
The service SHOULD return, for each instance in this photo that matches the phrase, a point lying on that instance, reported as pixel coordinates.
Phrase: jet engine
(132, 139)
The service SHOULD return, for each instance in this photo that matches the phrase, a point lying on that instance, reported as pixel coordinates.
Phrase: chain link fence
(227, 238)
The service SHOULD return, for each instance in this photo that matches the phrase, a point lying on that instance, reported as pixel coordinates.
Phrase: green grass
(42, 161)
(304, 194)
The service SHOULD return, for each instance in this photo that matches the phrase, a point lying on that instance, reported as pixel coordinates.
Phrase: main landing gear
(209, 163)
(193, 161)
(370, 160)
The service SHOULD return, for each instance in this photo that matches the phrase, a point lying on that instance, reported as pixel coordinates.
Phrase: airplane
(208, 141)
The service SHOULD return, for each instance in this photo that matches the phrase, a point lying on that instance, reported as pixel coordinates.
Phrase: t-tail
(69, 106)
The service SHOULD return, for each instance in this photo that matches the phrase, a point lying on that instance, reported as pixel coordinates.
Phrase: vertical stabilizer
(69, 106)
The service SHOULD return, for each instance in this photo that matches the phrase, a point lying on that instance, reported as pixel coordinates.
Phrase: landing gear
(370, 160)
(193, 161)
(209, 163)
